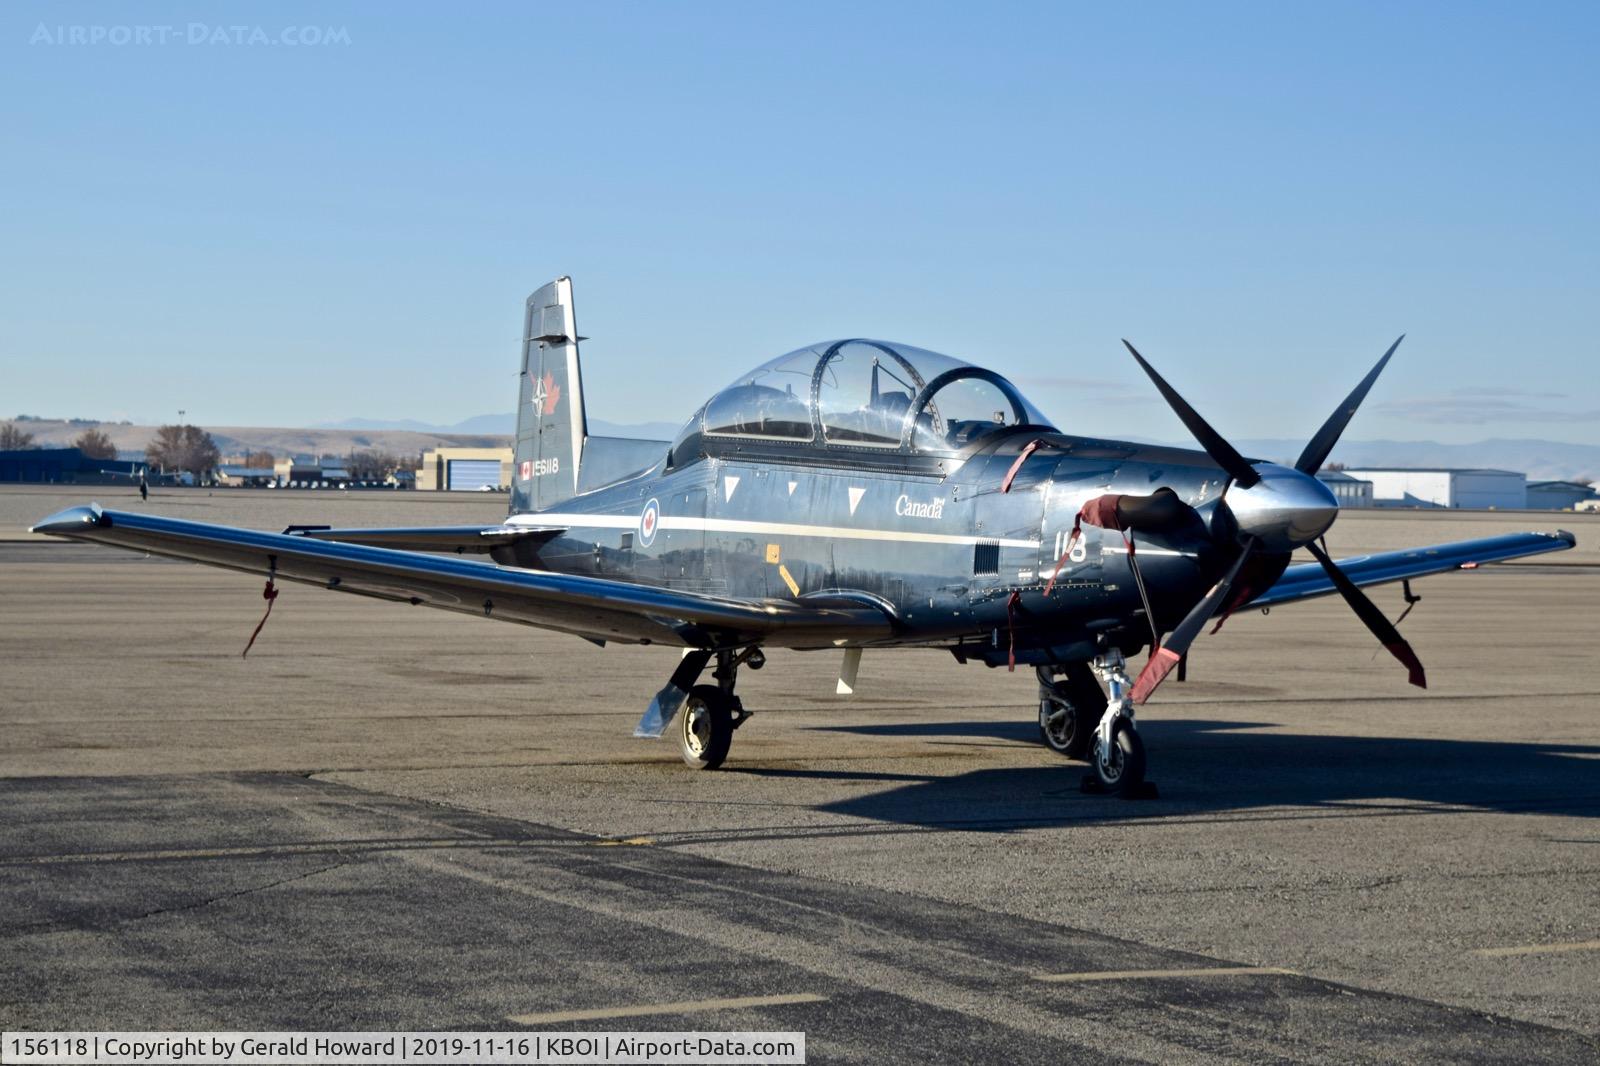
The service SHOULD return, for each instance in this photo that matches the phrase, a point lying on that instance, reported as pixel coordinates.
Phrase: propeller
(1275, 510)
(1219, 449)
(1168, 655)
(1318, 447)
(1375, 620)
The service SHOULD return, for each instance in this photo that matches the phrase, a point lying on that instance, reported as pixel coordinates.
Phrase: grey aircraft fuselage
(931, 540)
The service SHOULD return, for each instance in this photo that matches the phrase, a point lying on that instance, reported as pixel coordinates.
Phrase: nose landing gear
(1117, 760)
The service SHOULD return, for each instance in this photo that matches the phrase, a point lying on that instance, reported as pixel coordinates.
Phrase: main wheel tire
(1122, 770)
(1069, 714)
(705, 729)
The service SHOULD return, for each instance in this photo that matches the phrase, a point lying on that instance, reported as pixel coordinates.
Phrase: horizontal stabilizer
(607, 460)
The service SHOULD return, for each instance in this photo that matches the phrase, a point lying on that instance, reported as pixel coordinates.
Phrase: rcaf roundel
(648, 521)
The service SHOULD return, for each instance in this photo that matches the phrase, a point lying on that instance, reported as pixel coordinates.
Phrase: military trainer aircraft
(849, 495)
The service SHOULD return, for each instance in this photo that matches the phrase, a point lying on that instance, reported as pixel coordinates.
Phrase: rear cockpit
(863, 394)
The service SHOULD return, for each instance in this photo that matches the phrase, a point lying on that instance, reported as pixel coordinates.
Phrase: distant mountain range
(1541, 460)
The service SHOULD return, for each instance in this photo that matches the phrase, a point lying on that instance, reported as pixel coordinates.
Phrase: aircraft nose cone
(1285, 509)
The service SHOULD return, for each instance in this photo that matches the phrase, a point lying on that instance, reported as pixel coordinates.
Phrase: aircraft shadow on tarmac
(1216, 766)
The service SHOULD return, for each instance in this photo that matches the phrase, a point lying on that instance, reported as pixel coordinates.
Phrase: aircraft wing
(1304, 581)
(590, 607)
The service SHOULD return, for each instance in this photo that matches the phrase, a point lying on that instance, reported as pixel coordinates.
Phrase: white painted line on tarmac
(690, 1007)
(1138, 975)
(1540, 949)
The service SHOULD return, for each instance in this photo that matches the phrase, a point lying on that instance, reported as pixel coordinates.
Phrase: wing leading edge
(591, 607)
(1305, 581)
(462, 540)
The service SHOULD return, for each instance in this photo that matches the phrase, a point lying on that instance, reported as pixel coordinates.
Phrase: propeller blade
(1164, 658)
(1319, 446)
(1221, 452)
(1368, 612)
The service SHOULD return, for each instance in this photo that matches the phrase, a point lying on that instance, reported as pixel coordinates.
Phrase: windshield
(773, 400)
(862, 393)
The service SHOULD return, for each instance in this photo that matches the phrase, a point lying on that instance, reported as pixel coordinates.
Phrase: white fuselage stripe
(1118, 549)
(739, 525)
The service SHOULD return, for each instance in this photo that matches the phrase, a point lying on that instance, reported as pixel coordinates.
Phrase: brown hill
(282, 442)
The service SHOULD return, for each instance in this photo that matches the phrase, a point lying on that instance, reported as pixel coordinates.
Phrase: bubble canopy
(867, 394)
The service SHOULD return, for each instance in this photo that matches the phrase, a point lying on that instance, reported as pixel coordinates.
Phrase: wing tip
(72, 520)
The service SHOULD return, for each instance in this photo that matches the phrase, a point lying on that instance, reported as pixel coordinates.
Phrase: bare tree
(372, 464)
(95, 445)
(260, 460)
(183, 448)
(14, 439)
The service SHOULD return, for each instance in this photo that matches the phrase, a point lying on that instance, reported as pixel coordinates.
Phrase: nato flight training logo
(546, 395)
(648, 522)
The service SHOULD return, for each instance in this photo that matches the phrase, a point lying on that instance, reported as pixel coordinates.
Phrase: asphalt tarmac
(390, 817)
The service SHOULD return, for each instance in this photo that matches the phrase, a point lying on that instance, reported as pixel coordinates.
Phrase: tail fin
(550, 420)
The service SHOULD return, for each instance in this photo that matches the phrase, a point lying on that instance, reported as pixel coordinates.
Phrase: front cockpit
(864, 394)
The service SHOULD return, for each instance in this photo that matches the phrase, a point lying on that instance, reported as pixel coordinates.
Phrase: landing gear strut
(713, 712)
(1116, 761)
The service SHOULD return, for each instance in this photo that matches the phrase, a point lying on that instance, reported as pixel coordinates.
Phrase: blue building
(1558, 495)
(64, 466)
(1349, 491)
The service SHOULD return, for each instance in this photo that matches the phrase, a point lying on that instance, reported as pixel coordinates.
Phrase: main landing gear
(1070, 703)
(1080, 720)
(710, 712)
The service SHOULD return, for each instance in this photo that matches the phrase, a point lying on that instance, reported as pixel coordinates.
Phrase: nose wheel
(1117, 760)
(1118, 767)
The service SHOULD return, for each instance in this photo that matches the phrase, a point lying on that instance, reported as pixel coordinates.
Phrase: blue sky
(1260, 196)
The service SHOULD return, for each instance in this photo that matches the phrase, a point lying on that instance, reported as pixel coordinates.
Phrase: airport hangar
(465, 469)
(1455, 488)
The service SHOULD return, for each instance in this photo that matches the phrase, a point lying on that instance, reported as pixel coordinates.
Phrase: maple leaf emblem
(551, 393)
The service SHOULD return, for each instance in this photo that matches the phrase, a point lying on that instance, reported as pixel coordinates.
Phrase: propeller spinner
(1276, 509)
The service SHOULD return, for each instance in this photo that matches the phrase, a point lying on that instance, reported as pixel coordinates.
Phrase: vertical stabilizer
(550, 421)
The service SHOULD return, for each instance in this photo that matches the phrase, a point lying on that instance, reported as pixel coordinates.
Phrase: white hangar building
(1445, 487)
